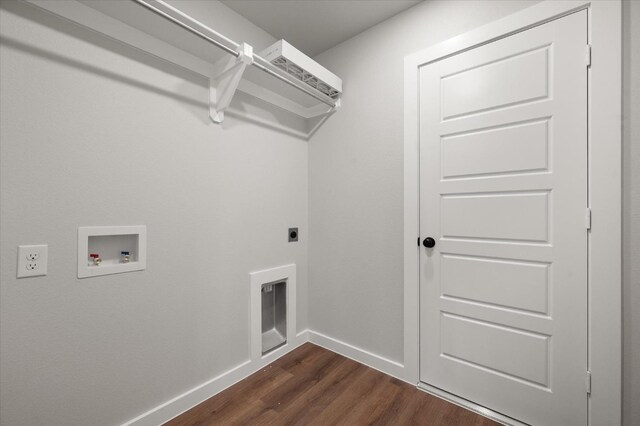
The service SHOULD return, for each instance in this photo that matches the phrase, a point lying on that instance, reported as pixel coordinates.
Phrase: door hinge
(587, 382)
(588, 218)
(587, 55)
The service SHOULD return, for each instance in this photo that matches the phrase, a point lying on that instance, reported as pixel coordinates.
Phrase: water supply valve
(95, 259)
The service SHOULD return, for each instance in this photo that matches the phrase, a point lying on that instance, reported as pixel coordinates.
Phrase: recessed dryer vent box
(119, 249)
(273, 311)
(294, 62)
(274, 316)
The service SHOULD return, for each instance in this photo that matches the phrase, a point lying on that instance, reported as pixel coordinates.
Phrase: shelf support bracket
(224, 81)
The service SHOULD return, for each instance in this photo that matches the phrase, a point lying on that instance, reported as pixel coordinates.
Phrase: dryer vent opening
(274, 316)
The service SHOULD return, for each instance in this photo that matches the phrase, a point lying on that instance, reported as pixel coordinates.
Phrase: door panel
(514, 148)
(503, 179)
(530, 292)
(499, 216)
(506, 81)
(515, 353)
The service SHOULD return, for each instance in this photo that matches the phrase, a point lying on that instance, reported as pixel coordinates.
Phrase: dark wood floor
(314, 386)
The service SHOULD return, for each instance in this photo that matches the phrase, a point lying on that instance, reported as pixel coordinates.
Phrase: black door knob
(428, 242)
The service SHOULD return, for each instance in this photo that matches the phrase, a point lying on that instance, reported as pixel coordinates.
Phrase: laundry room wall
(96, 132)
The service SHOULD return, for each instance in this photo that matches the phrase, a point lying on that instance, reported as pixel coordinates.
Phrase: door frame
(604, 189)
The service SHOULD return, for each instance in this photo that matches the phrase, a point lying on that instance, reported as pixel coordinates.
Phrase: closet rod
(222, 42)
(227, 45)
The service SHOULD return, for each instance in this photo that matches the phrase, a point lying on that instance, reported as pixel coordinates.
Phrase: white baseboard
(181, 403)
(362, 356)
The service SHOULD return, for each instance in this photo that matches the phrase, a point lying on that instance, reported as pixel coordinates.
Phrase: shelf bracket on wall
(224, 80)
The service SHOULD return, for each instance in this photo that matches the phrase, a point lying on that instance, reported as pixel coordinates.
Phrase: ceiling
(314, 26)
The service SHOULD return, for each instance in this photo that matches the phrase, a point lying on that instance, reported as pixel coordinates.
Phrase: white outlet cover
(32, 260)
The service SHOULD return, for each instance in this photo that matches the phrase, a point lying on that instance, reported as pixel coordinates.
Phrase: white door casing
(503, 180)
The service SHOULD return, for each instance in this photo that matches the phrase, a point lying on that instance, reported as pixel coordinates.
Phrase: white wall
(356, 183)
(97, 133)
(631, 212)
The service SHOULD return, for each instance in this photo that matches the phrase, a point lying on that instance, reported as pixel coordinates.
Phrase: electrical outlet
(32, 261)
(293, 235)
(33, 255)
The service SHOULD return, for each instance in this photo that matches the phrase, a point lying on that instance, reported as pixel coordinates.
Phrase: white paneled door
(503, 181)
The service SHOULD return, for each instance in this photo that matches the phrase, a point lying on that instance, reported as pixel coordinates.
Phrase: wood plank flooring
(314, 386)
